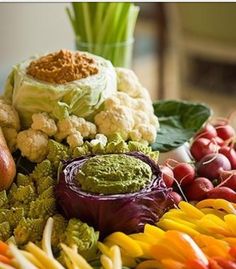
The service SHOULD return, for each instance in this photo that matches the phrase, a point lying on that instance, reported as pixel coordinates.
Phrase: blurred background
(183, 50)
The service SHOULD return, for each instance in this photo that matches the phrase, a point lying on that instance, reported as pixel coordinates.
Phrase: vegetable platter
(95, 175)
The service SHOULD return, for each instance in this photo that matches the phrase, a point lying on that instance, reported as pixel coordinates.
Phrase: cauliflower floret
(128, 82)
(143, 132)
(8, 116)
(118, 120)
(99, 138)
(42, 122)
(10, 135)
(72, 124)
(33, 144)
(75, 139)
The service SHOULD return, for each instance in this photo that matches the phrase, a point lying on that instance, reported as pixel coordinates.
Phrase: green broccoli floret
(45, 183)
(42, 208)
(3, 199)
(58, 232)
(57, 153)
(13, 216)
(83, 236)
(43, 169)
(5, 231)
(23, 180)
(24, 194)
(29, 230)
(48, 193)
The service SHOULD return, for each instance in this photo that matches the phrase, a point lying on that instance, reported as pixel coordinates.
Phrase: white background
(30, 28)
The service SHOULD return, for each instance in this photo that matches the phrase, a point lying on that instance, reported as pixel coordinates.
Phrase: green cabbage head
(80, 97)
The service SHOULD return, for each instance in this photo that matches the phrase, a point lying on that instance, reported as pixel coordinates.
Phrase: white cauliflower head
(33, 144)
(118, 120)
(42, 122)
(99, 138)
(72, 124)
(75, 140)
(8, 116)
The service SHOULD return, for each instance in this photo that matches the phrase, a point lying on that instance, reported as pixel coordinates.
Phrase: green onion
(105, 29)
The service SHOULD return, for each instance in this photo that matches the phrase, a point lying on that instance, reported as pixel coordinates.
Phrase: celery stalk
(103, 27)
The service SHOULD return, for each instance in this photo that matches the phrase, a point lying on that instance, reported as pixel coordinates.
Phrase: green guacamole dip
(114, 174)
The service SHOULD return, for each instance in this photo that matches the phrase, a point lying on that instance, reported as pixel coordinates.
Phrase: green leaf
(179, 121)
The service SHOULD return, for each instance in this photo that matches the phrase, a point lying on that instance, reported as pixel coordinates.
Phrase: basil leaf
(179, 121)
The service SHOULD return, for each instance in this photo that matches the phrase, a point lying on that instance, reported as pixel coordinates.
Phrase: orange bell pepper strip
(195, 264)
(185, 244)
(150, 264)
(172, 264)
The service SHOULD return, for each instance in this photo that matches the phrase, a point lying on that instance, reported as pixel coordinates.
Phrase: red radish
(184, 173)
(228, 179)
(222, 193)
(198, 189)
(225, 131)
(217, 140)
(202, 147)
(167, 175)
(176, 197)
(230, 153)
(208, 131)
(212, 164)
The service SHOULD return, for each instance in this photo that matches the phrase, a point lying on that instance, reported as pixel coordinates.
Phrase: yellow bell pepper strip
(230, 221)
(32, 259)
(125, 242)
(217, 204)
(145, 248)
(153, 231)
(172, 264)
(186, 245)
(213, 211)
(103, 248)
(195, 264)
(214, 224)
(190, 210)
(150, 264)
(145, 238)
(128, 261)
(168, 224)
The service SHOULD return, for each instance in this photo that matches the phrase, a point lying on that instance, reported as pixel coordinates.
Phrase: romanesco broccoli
(48, 193)
(42, 169)
(58, 232)
(83, 237)
(57, 153)
(5, 231)
(42, 208)
(24, 194)
(44, 184)
(13, 215)
(82, 150)
(3, 199)
(29, 230)
(23, 180)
